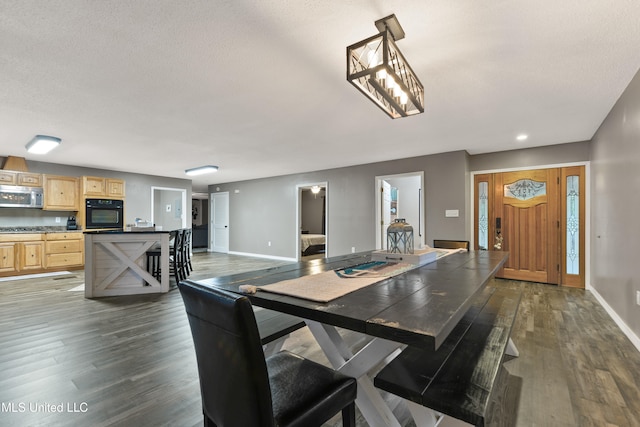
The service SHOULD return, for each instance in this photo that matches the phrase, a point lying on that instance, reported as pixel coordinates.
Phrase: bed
(311, 244)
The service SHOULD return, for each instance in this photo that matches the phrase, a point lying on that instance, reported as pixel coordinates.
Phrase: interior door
(220, 222)
(385, 212)
(538, 217)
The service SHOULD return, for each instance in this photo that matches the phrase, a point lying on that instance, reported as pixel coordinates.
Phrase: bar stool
(186, 245)
(175, 268)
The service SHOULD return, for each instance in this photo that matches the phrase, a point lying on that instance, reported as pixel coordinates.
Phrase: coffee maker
(71, 223)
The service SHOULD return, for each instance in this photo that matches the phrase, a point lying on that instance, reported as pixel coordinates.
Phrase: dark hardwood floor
(129, 361)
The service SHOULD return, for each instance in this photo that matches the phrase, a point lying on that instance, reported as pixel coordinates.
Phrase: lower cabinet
(21, 253)
(38, 252)
(31, 255)
(8, 258)
(64, 250)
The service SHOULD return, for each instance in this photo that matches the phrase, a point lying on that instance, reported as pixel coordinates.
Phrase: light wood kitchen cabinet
(7, 178)
(64, 250)
(31, 255)
(7, 258)
(27, 253)
(60, 193)
(115, 188)
(95, 186)
(21, 252)
(30, 179)
(24, 179)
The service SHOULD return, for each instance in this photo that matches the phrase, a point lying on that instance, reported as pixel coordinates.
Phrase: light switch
(451, 213)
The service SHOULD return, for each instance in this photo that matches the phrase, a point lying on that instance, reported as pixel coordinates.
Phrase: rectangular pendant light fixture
(42, 144)
(377, 68)
(201, 170)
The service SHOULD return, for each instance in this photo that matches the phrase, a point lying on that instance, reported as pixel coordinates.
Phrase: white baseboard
(276, 258)
(623, 326)
(35, 276)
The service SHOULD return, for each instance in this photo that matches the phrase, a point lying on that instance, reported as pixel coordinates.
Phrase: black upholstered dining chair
(239, 387)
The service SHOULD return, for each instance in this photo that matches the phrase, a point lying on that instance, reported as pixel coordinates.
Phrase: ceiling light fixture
(376, 68)
(522, 137)
(42, 144)
(315, 189)
(201, 170)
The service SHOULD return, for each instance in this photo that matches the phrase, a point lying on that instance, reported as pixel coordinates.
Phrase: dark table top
(419, 307)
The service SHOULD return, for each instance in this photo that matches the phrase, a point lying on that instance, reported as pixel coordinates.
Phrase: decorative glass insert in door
(525, 189)
(483, 216)
(573, 225)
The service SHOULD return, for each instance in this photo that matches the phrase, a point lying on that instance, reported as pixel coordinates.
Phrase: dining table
(419, 306)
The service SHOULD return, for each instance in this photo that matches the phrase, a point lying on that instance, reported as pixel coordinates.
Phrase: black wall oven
(104, 213)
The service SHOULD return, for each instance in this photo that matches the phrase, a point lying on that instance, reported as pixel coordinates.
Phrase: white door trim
(587, 225)
(183, 198)
(299, 188)
(421, 227)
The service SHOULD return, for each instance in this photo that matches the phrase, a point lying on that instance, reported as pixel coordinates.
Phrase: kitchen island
(116, 262)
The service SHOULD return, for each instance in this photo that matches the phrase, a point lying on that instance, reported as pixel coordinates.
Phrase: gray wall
(531, 157)
(615, 231)
(263, 211)
(137, 189)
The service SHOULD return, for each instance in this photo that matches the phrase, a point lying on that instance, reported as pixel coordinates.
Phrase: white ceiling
(259, 87)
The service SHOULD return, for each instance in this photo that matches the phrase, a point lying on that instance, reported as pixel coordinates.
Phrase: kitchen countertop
(119, 231)
(37, 229)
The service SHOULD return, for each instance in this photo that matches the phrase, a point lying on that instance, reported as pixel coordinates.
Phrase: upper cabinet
(24, 179)
(115, 188)
(94, 186)
(61, 193)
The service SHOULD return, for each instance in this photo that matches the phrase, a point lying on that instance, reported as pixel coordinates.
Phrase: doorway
(400, 197)
(539, 217)
(200, 221)
(312, 221)
(168, 207)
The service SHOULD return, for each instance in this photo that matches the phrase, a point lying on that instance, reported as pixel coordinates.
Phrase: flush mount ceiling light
(376, 68)
(201, 170)
(42, 144)
(522, 137)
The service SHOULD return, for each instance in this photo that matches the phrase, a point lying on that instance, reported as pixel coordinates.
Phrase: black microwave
(104, 213)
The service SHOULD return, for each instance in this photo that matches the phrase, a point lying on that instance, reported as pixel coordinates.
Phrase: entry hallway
(129, 361)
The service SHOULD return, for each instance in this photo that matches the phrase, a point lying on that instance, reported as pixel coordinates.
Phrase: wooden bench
(460, 377)
(274, 328)
(451, 244)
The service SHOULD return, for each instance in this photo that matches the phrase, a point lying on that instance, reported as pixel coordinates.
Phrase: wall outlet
(353, 249)
(269, 243)
(638, 297)
(57, 219)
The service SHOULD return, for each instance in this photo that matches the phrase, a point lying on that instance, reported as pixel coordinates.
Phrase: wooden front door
(526, 208)
(530, 214)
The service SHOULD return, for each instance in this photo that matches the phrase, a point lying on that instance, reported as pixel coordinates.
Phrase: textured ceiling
(259, 87)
